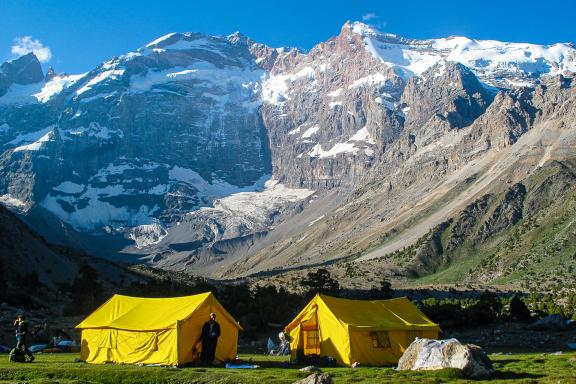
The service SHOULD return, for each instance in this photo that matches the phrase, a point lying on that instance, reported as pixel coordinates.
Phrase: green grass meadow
(62, 369)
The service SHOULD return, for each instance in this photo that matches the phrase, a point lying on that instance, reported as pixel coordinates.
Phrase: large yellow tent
(162, 331)
(370, 332)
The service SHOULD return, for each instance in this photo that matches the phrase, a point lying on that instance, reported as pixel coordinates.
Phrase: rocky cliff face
(143, 139)
(22, 71)
(222, 155)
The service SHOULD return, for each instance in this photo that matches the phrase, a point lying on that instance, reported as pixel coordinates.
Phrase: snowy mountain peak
(238, 37)
(366, 30)
(496, 63)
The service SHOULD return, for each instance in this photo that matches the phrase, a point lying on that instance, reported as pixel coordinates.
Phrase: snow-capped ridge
(162, 39)
(491, 60)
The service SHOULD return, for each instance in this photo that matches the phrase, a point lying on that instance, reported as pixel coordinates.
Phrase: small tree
(320, 282)
(86, 292)
(383, 292)
(519, 311)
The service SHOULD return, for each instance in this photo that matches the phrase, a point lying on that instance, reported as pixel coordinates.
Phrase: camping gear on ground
(17, 356)
(166, 331)
(241, 366)
(38, 347)
(371, 332)
(271, 347)
(427, 354)
(67, 346)
(66, 343)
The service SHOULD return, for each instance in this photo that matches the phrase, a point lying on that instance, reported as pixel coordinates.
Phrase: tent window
(380, 339)
(412, 335)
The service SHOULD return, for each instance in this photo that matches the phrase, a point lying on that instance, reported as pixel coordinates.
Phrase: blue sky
(75, 36)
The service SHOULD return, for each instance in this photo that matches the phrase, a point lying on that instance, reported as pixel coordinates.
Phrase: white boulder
(428, 354)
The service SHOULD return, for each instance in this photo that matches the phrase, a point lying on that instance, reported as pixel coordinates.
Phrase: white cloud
(369, 16)
(25, 44)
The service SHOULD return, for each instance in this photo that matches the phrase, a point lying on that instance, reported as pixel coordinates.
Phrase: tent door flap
(311, 335)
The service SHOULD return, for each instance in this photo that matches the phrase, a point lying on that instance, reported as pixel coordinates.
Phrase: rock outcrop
(22, 71)
(316, 378)
(428, 354)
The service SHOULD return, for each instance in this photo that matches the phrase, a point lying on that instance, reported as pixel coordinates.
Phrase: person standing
(284, 348)
(22, 336)
(209, 338)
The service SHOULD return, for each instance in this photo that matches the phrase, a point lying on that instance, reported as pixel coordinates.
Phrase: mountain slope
(227, 157)
(34, 273)
(418, 188)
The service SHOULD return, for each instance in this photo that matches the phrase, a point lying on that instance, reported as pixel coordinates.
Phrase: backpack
(17, 356)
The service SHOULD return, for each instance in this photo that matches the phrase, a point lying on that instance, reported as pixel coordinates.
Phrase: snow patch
(161, 39)
(117, 169)
(69, 188)
(111, 74)
(376, 78)
(10, 201)
(253, 208)
(352, 146)
(19, 94)
(240, 86)
(338, 148)
(315, 221)
(55, 86)
(95, 213)
(363, 135)
(95, 130)
(335, 93)
(35, 139)
(334, 104)
(389, 105)
(310, 131)
(210, 191)
(275, 88)
(147, 234)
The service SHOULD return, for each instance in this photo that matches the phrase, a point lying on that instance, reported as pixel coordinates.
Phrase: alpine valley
(445, 160)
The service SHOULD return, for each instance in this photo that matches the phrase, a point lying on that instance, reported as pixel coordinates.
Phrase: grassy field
(62, 369)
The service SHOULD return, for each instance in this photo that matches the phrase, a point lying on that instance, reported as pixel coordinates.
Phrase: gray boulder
(316, 378)
(549, 323)
(428, 354)
(310, 368)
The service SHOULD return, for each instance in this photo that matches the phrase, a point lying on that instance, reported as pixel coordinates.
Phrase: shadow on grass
(510, 361)
(509, 375)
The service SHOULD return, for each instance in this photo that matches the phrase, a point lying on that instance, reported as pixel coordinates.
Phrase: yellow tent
(371, 332)
(163, 331)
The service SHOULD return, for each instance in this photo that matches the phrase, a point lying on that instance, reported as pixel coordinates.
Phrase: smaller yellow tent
(163, 331)
(371, 332)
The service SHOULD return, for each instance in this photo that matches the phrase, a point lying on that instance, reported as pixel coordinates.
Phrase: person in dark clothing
(209, 338)
(22, 336)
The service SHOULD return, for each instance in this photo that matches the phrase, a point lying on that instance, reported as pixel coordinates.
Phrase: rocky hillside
(525, 234)
(35, 273)
(226, 157)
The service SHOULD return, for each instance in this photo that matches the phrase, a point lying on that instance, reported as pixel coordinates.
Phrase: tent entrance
(311, 339)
